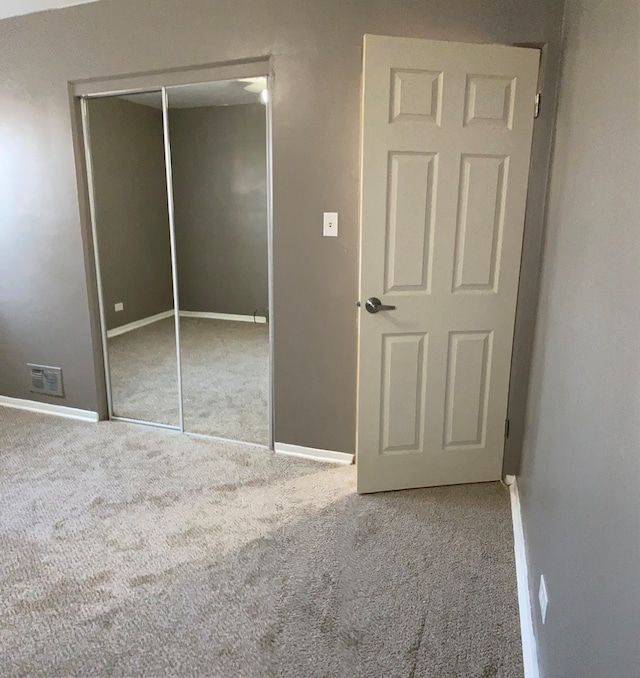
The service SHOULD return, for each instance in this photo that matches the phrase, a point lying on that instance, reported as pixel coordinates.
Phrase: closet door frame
(82, 92)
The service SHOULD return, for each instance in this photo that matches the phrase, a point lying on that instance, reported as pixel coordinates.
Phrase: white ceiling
(222, 93)
(15, 7)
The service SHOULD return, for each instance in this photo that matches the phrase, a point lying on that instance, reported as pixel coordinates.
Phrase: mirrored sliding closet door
(219, 166)
(132, 239)
(179, 193)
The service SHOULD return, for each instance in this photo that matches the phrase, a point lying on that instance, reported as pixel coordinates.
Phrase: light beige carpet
(225, 377)
(129, 551)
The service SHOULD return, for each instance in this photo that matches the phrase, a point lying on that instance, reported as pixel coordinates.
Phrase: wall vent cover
(46, 380)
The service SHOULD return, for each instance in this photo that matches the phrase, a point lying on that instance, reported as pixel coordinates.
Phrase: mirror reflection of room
(216, 267)
(134, 256)
(219, 164)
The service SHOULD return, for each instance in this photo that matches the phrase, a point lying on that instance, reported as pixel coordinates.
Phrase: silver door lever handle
(374, 305)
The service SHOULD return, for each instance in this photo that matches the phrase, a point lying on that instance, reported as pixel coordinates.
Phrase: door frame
(80, 92)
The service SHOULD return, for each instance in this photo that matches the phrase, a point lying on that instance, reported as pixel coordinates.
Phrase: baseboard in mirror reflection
(314, 454)
(224, 316)
(137, 324)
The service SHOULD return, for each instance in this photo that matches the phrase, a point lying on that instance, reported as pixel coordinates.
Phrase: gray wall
(316, 50)
(131, 209)
(219, 163)
(581, 468)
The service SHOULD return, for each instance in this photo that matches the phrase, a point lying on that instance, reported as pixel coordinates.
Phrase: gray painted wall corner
(581, 467)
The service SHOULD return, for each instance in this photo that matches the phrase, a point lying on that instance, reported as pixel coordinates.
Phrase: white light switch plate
(330, 224)
(119, 306)
(543, 599)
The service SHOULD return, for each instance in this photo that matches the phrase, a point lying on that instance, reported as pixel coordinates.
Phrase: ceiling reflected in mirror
(220, 93)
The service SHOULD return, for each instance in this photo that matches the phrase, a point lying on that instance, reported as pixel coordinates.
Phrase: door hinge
(507, 424)
(536, 109)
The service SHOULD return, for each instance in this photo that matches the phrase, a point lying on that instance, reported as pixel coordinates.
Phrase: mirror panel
(134, 255)
(219, 166)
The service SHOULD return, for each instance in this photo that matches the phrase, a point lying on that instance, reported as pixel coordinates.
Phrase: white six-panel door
(446, 138)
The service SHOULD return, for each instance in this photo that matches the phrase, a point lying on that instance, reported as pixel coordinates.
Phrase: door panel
(483, 181)
(468, 373)
(489, 100)
(404, 381)
(446, 136)
(409, 225)
(416, 95)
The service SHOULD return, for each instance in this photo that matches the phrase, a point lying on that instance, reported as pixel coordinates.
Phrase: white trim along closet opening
(179, 193)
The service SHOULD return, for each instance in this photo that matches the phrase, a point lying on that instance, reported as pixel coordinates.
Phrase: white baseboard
(116, 331)
(529, 649)
(48, 408)
(137, 324)
(313, 453)
(223, 316)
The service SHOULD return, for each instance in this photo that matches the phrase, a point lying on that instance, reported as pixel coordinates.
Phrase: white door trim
(48, 408)
(529, 647)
